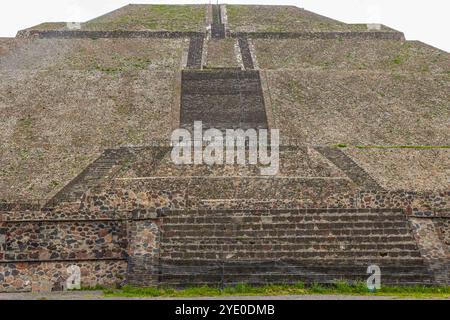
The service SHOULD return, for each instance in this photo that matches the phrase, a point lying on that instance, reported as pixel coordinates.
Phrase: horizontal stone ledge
(208, 74)
(255, 177)
(174, 212)
(3, 262)
(441, 213)
(6, 206)
(363, 35)
(132, 215)
(74, 34)
(79, 34)
(80, 220)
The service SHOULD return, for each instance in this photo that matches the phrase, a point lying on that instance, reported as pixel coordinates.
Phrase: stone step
(258, 279)
(292, 218)
(276, 220)
(104, 166)
(247, 58)
(368, 225)
(290, 254)
(188, 75)
(347, 165)
(92, 176)
(323, 263)
(244, 270)
(314, 239)
(406, 266)
(227, 111)
(326, 212)
(284, 233)
(218, 31)
(222, 87)
(398, 271)
(227, 247)
(195, 53)
(225, 105)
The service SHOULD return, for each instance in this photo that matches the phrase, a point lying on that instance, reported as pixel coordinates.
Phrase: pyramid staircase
(217, 27)
(225, 247)
(97, 173)
(223, 236)
(223, 99)
(229, 246)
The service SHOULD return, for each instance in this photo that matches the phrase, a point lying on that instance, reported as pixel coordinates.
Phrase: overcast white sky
(425, 20)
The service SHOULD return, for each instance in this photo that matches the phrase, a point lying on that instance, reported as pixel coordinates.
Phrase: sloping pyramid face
(87, 175)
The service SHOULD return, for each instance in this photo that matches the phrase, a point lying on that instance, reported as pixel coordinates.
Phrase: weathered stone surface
(356, 107)
(151, 17)
(285, 246)
(405, 169)
(114, 91)
(61, 240)
(22, 277)
(284, 19)
(432, 248)
(144, 252)
(221, 54)
(368, 55)
(445, 231)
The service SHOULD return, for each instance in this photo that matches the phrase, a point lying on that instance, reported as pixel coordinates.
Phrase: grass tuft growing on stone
(339, 288)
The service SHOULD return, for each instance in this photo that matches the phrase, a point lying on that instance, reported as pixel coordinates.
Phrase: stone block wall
(144, 251)
(428, 234)
(132, 195)
(36, 254)
(124, 200)
(417, 202)
(445, 231)
(55, 240)
(25, 277)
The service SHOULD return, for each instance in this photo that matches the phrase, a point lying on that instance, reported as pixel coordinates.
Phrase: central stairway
(226, 247)
(223, 99)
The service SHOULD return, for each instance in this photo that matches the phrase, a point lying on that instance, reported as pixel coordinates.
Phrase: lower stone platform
(154, 238)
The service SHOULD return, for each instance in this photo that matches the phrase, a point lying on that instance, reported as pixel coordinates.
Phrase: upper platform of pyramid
(241, 18)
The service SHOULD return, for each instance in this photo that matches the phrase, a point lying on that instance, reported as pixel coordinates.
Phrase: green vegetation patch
(152, 17)
(123, 55)
(244, 18)
(340, 288)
